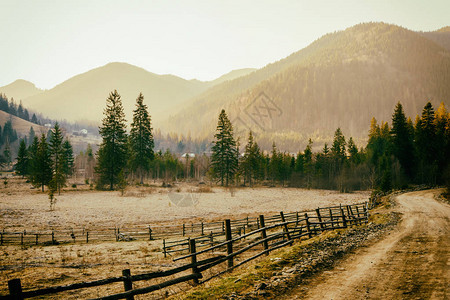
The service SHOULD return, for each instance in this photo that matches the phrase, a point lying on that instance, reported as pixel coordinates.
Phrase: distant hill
(20, 125)
(20, 89)
(340, 80)
(83, 97)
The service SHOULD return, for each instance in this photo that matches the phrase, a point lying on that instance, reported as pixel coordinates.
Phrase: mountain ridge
(357, 73)
(20, 89)
(89, 89)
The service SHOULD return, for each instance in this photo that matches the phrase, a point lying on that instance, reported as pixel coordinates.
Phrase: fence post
(263, 233)
(357, 213)
(230, 243)
(320, 219)
(127, 283)
(184, 229)
(149, 233)
(15, 289)
(344, 221)
(288, 235)
(1, 238)
(192, 227)
(192, 250)
(87, 236)
(211, 240)
(366, 213)
(203, 232)
(332, 218)
(350, 213)
(296, 218)
(21, 238)
(37, 235)
(308, 227)
(164, 248)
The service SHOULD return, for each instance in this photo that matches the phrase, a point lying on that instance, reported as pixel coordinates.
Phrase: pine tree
(112, 154)
(251, 161)
(41, 163)
(22, 159)
(402, 141)
(31, 135)
(141, 139)
(308, 164)
(224, 163)
(338, 147)
(299, 163)
(426, 145)
(353, 152)
(57, 156)
(34, 119)
(276, 161)
(68, 160)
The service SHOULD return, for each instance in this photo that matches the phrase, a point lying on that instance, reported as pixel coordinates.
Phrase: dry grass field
(25, 208)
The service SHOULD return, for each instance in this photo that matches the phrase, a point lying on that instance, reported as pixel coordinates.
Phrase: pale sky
(47, 42)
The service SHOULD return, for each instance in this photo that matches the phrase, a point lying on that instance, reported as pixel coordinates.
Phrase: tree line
(11, 107)
(47, 161)
(395, 156)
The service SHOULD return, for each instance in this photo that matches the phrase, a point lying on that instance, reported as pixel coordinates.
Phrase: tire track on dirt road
(413, 262)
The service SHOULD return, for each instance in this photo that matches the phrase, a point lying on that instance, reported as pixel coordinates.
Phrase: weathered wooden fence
(168, 233)
(247, 246)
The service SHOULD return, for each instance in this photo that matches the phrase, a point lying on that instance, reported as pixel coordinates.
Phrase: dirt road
(413, 262)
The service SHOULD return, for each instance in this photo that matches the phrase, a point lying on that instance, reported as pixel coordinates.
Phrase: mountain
(82, 97)
(341, 80)
(440, 36)
(20, 89)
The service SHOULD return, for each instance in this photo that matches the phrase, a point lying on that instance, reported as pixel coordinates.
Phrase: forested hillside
(341, 80)
(440, 37)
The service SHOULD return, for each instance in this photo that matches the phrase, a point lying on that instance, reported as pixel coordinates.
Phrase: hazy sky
(47, 42)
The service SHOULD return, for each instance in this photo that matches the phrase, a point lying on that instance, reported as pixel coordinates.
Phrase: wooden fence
(166, 233)
(246, 246)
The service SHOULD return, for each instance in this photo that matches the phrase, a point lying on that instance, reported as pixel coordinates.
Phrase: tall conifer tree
(57, 156)
(141, 139)
(22, 159)
(402, 141)
(41, 163)
(112, 154)
(251, 161)
(224, 162)
(68, 160)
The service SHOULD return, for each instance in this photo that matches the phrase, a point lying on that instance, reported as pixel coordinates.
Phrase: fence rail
(148, 232)
(272, 233)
